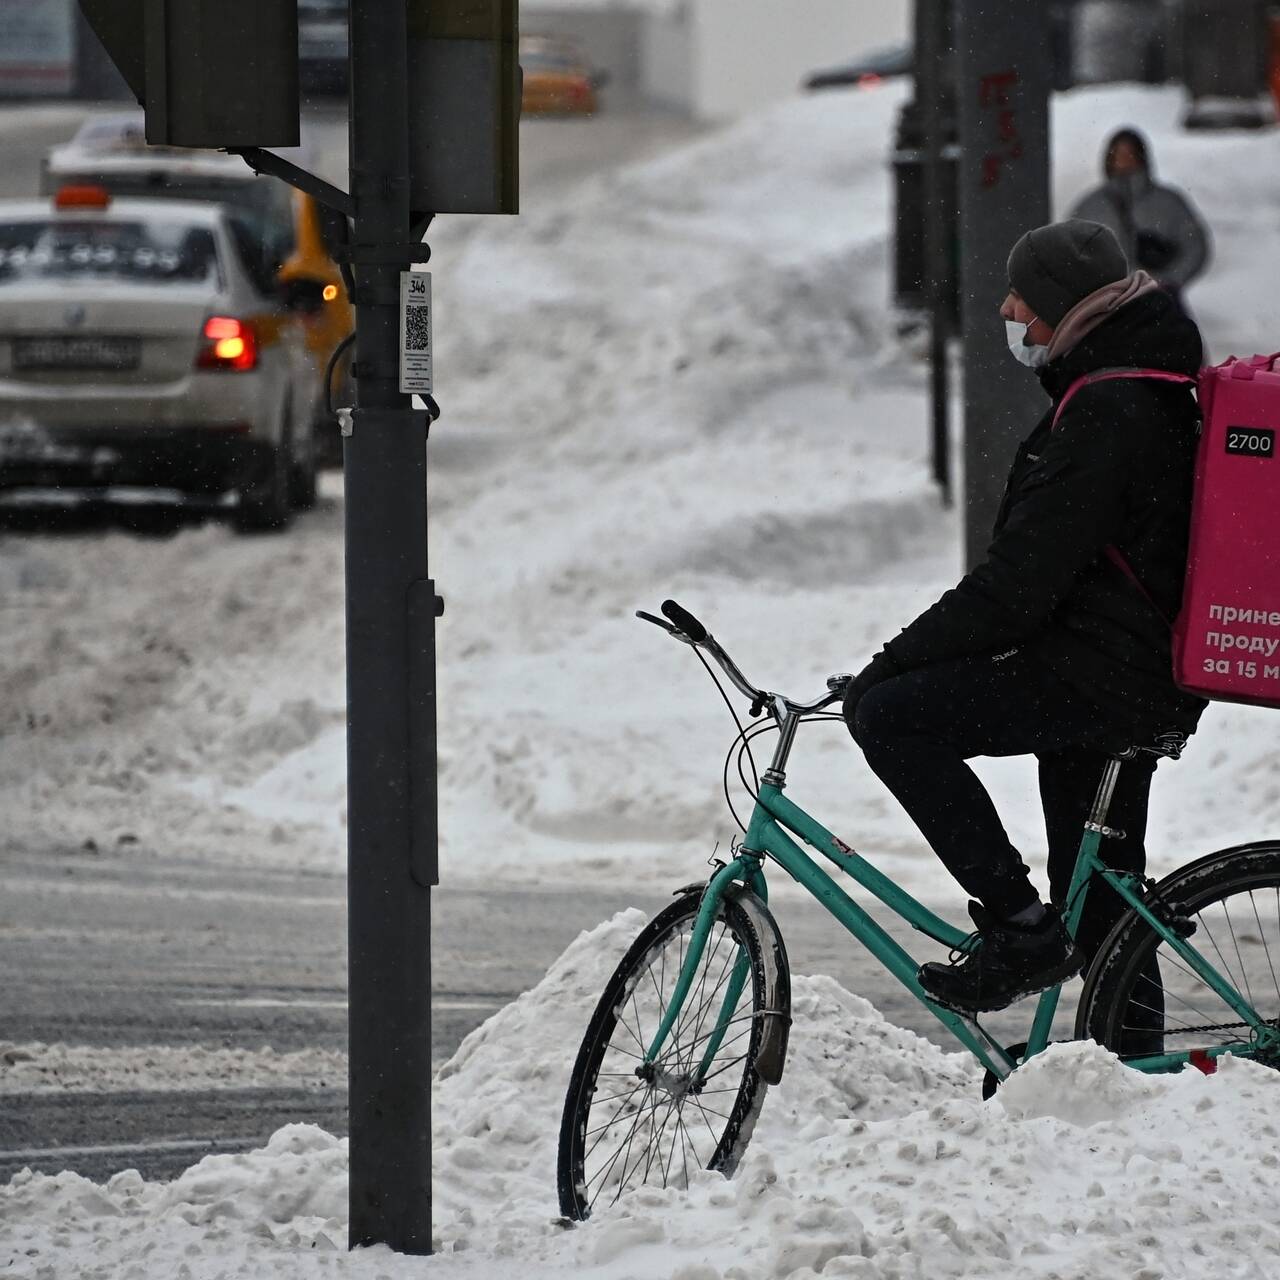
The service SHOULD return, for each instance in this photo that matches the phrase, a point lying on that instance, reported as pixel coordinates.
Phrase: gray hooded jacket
(1156, 226)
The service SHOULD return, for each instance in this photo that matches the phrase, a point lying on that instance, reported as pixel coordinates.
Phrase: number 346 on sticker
(415, 332)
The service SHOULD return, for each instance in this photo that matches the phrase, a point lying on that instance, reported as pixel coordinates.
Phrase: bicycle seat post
(1102, 800)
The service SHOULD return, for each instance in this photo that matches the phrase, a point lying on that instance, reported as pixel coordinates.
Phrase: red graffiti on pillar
(995, 95)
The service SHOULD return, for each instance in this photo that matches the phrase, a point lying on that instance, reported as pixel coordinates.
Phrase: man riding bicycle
(1047, 647)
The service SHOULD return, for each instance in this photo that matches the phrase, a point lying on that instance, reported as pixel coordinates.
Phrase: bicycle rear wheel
(626, 1124)
(1140, 998)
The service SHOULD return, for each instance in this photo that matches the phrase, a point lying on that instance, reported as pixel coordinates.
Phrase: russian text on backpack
(1226, 637)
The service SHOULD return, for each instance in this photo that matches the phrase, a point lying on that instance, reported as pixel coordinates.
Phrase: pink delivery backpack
(1226, 639)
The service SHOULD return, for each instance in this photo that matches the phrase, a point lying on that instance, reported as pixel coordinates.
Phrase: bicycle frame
(775, 820)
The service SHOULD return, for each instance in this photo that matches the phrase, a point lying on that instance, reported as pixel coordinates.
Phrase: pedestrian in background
(1157, 226)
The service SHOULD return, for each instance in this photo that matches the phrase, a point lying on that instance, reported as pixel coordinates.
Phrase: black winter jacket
(1116, 470)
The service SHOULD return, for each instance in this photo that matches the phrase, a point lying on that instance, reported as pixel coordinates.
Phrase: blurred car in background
(868, 71)
(557, 78)
(280, 231)
(143, 359)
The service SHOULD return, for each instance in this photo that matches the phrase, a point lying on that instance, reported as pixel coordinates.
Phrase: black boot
(1002, 962)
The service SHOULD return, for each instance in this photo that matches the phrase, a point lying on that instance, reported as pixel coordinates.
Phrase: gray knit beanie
(1054, 267)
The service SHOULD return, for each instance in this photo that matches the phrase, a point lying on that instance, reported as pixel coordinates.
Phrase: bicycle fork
(746, 869)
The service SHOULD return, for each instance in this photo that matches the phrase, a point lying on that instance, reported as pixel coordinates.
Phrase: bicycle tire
(579, 1185)
(1111, 990)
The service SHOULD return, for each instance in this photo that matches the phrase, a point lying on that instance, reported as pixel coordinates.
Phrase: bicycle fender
(772, 1055)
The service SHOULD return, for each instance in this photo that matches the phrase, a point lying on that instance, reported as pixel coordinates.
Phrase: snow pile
(875, 1158)
(61, 1068)
(679, 379)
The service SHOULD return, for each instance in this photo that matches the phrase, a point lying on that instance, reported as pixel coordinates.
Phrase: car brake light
(227, 344)
(82, 197)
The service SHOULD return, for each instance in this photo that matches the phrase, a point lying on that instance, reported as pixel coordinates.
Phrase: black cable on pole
(331, 366)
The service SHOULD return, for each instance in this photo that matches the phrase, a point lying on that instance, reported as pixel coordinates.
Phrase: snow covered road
(156, 1009)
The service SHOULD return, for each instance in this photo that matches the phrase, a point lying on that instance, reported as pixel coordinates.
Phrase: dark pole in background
(390, 677)
(1003, 76)
(930, 53)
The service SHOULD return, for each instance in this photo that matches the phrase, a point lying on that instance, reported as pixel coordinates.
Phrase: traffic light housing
(208, 73)
(464, 105)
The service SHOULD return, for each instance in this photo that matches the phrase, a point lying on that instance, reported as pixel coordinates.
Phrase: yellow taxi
(558, 80)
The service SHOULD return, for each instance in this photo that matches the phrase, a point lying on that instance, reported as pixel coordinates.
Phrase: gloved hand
(882, 667)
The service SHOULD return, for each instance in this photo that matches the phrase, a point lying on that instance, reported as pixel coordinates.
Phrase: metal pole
(1002, 51)
(390, 679)
(931, 17)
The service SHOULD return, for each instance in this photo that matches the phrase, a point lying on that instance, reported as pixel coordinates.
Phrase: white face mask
(1034, 357)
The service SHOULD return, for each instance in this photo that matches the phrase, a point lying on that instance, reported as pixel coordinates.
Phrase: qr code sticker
(417, 329)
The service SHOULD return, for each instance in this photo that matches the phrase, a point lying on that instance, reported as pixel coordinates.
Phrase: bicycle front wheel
(626, 1123)
(1140, 998)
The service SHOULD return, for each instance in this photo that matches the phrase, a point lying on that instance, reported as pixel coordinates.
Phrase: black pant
(918, 729)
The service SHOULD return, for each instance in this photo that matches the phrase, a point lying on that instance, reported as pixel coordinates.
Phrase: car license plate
(79, 351)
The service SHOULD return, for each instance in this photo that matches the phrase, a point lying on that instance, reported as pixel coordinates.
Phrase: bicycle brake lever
(657, 622)
(758, 704)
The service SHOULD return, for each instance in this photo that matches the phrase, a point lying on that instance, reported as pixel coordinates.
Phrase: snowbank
(681, 379)
(874, 1158)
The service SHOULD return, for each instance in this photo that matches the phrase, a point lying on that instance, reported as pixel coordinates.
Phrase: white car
(140, 358)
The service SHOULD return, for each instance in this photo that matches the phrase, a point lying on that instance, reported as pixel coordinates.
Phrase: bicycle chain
(1213, 1026)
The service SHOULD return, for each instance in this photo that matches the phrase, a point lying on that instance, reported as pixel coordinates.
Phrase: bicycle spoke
(612, 1119)
(1248, 989)
(730, 961)
(1176, 962)
(613, 1097)
(622, 1019)
(710, 1127)
(1160, 1013)
(1214, 941)
(721, 1114)
(675, 1110)
(702, 983)
(603, 1175)
(625, 1145)
(1262, 933)
(684, 1151)
(697, 1159)
(742, 1017)
(711, 1075)
(654, 1145)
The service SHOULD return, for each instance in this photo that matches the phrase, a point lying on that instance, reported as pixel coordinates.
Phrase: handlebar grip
(685, 621)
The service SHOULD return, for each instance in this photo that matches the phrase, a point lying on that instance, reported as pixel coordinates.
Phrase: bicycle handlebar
(685, 621)
(685, 627)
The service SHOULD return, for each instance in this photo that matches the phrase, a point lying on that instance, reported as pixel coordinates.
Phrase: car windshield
(159, 252)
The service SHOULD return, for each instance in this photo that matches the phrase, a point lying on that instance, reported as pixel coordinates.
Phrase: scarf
(1090, 312)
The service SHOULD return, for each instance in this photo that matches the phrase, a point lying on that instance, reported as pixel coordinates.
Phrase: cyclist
(1046, 648)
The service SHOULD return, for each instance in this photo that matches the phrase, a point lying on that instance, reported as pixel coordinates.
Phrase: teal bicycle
(692, 1027)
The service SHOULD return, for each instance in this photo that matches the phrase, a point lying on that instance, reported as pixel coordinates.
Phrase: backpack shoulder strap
(1111, 375)
(1113, 552)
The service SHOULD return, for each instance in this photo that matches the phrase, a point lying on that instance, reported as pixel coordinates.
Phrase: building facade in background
(37, 48)
(718, 59)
